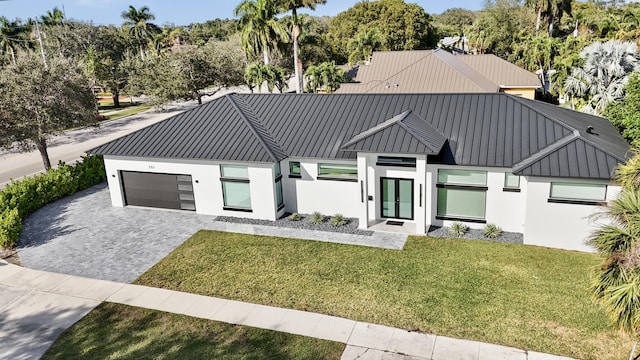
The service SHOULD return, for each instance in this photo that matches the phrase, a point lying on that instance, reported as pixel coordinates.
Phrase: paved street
(71, 145)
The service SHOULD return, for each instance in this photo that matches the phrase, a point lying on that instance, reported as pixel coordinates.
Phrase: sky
(179, 12)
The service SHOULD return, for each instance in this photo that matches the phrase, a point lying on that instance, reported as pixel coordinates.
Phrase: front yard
(522, 296)
(113, 331)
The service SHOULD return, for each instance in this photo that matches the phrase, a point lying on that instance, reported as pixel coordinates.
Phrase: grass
(128, 111)
(522, 296)
(108, 105)
(113, 331)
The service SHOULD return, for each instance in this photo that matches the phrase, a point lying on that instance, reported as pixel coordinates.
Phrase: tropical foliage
(625, 113)
(326, 76)
(258, 75)
(261, 32)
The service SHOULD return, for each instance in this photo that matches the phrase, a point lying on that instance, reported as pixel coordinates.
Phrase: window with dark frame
(236, 192)
(577, 193)
(511, 182)
(340, 172)
(295, 169)
(462, 195)
(396, 161)
(278, 184)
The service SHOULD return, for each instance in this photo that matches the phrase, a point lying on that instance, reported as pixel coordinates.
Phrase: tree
(402, 26)
(11, 33)
(453, 21)
(363, 45)
(138, 25)
(326, 76)
(293, 6)
(187, 74)
(605, 72)
(625, 113)
(53, 17)
(257, 74)
(615, 284)
(260, 30)
(36, 102)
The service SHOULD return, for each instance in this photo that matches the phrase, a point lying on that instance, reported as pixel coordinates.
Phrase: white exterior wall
(207, 187)
(308, 194)
(565, 226)
(503, 208)
(371, 175)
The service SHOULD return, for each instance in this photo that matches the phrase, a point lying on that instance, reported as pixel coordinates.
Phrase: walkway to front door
(397, 198)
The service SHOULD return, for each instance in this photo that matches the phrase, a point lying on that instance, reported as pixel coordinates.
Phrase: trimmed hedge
(23, 197)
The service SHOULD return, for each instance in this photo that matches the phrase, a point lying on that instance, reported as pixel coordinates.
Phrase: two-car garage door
(168, 191)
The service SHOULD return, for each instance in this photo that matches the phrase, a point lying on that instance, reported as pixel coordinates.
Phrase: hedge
(23, 197)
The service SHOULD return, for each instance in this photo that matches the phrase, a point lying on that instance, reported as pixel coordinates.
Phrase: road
(71, 145)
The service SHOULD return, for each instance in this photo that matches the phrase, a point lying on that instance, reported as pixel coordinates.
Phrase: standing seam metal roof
(492, 130)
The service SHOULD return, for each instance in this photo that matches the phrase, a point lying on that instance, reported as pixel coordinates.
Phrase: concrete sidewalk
(36, 306)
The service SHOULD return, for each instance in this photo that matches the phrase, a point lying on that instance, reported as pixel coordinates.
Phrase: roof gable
(404, 133)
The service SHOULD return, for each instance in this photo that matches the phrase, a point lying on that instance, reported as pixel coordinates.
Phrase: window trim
(402, 163)
(576, 201)
(349, 178)
(233, 177)
(506, 188)
(276, 182)
(293, 175)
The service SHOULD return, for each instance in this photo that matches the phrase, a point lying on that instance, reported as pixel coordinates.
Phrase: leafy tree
(187, 74)
(314, 47)
(220, 30)
(615, 284)
(453, 21)
(53, 17)
(402, 26)
(551, 11)
(108, 60)
(605, 72)
(257, 74)
(36, 102)
(296, 21)
(363, 45)
(326, 76)
(260, 30)
(11, 34)
(625, 113)
(138, 25)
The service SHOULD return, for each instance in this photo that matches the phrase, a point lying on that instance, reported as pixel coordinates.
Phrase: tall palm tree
(615, 283)
(604, 74)
(261, 32)
(293, 6)
(138, 25)
(53, 17)
(10, 36)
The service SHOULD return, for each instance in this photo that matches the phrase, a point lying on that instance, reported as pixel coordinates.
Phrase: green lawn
(108, 105)
(113, 331)
(522, 296)
(132, 110)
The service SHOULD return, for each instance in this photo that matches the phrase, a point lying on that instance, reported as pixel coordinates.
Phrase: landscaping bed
(113, 331)
(476, 234)
(351, 226)
(527, 297)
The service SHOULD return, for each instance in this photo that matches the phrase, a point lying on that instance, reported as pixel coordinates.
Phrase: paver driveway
(84, 235)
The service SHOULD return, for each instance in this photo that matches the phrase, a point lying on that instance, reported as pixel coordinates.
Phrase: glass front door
(397, 198)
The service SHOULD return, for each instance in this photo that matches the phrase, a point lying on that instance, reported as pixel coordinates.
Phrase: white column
(363, 216)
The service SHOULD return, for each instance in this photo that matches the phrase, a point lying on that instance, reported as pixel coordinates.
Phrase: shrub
(491, 231)
(458, 229)
(316, 218)
(338, 220)
(23, 197)
(295, 217)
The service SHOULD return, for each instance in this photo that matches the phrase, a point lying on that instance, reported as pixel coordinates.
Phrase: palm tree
(10, 36)
(604, 74)
(293, 6)
(327, 76)
(53, 17)
(615, 283)
(261, 32)
(363, 45)
(136, 21)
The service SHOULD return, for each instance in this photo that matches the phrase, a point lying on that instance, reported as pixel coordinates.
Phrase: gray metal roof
(494, 130)
(404, 133)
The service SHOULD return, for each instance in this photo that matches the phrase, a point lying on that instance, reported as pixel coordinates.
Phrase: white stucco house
(420, 160)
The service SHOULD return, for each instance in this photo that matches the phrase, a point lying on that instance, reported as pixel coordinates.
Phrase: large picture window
(236, 192)
(348, 172)
(462, 195)
(590, 194)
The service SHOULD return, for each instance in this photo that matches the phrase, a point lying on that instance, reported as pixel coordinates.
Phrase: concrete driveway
(84, 235)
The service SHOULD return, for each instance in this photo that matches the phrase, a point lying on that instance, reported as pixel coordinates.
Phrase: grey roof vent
(590, 130)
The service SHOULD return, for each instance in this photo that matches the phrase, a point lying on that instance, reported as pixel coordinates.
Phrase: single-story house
(438, 71)
(421, 159)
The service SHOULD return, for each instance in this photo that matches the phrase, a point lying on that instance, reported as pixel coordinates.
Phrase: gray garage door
(168, 191)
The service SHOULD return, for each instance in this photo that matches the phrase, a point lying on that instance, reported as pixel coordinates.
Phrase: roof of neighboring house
(435, 71)
(490, 129)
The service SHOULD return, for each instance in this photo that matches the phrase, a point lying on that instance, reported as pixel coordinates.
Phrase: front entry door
(397, 198)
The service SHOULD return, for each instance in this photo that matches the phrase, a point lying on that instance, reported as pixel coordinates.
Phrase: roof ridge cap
(461, 64)
(246, 120)
(532, 159)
